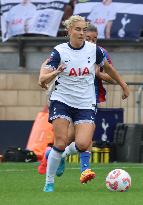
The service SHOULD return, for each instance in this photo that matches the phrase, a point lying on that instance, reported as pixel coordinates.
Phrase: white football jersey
(75, 85)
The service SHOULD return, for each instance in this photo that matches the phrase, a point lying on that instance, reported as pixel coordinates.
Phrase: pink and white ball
(118, 180)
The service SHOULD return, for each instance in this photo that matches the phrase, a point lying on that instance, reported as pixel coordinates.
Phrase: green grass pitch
(20, 184)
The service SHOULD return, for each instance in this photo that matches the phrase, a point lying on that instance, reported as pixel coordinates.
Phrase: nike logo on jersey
(79, 71)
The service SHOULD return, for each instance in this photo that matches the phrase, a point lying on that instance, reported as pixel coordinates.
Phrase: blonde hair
(69, 22)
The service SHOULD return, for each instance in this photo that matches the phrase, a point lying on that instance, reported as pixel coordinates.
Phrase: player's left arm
(111, 71)
(104, 76)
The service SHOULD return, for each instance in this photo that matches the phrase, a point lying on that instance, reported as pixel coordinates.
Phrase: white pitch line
(118, 167)
(74, 168)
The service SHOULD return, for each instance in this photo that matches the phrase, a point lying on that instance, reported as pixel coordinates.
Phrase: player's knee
(60, 143)
(81, 147)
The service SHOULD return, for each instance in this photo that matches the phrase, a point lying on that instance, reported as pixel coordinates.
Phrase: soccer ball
(118, 180)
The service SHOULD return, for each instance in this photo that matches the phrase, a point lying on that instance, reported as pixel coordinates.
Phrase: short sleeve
(54, 60)
(107, 56)
(100, 57)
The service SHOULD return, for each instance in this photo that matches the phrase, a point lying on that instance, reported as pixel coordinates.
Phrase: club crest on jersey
(51, 57)
(79, 71)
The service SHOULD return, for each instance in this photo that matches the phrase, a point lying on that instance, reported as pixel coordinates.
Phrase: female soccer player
(86, 173)
(74, 98)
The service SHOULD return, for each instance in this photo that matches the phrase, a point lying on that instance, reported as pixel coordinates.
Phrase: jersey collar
(75, 48)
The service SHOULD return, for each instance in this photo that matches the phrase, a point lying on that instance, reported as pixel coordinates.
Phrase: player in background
(74, 82)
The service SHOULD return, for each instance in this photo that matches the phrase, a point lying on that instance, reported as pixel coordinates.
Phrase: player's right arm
(50, 68)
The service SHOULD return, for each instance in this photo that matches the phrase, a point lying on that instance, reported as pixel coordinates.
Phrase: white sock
(54, 159)
(69, 150)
